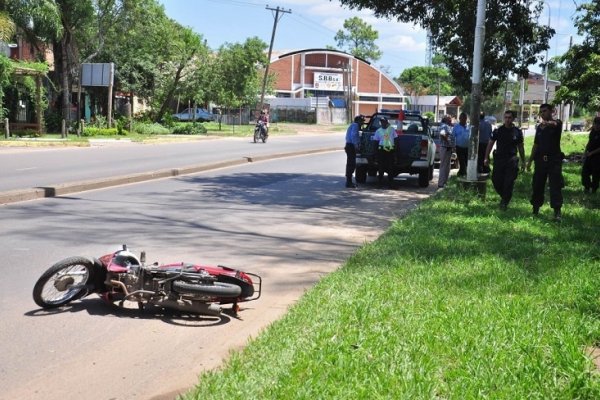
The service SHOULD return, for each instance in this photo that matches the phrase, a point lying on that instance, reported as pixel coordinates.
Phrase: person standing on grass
(461, 135)
(508, 139)
(352, 146)
(446, 146)
(547, 155)
(485, 130)
(590, 171)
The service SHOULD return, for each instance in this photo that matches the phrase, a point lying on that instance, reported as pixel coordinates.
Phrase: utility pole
(264, 85)
(476, 90)
(546, 65)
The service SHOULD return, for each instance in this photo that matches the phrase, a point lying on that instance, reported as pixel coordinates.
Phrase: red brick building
(346, 80)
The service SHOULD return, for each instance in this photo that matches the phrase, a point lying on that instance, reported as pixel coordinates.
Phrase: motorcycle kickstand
(235, 308)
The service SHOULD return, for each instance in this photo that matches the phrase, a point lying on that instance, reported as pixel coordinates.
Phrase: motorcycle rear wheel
(63, 282)
(215, 289)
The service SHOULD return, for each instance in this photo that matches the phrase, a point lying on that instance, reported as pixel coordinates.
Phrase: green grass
(457, 300)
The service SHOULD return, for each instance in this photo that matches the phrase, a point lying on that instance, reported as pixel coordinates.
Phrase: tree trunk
(64, 81)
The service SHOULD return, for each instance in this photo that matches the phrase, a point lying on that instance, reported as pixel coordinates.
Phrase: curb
(19, 195)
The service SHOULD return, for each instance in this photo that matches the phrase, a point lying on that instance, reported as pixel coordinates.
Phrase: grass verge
(457, 300)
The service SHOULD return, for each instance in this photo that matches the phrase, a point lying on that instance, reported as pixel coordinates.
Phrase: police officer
(590, 171)
(508, 139)
(385, 153)
(547, 155)
(352, 146)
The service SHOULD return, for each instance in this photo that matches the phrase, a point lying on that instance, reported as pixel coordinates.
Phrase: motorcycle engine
(130, 280)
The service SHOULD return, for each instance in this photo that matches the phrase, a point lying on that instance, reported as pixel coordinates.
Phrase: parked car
(577, 126)
(188, 114)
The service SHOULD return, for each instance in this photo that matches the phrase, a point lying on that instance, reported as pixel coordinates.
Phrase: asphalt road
(290, 220)
(49, 167)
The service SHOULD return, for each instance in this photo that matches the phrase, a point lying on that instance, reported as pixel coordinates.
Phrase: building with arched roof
(346, 81)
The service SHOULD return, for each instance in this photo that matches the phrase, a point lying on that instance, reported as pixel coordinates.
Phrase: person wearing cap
(446, 146)
(352, 146)
(590, 171)
(385, 136)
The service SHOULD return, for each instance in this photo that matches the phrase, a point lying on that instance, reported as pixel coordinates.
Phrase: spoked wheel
(63, 282)
(263, 136)
(256, 135)
(214, 289)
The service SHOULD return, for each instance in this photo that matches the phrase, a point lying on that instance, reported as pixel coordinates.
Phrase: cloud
(403, 43)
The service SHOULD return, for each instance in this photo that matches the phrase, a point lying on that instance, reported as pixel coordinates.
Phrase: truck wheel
(361, 174)
(424, 178)
(431, 172)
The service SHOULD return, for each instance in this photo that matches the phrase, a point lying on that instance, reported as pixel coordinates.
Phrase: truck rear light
(424, 147)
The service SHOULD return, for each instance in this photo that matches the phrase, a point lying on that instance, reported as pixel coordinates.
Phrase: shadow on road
(97, 307)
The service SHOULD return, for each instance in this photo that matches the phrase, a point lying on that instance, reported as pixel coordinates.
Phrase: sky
(314, 23)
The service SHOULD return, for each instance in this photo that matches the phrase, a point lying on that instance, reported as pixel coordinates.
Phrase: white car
(188, 114)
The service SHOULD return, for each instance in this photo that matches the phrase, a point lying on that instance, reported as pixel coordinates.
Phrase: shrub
(189, 129)
(144, 128)
(91, 131)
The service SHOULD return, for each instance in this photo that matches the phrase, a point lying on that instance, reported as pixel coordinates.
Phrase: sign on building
(329, 81)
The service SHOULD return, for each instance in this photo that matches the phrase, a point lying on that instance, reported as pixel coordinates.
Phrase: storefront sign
(326, 81)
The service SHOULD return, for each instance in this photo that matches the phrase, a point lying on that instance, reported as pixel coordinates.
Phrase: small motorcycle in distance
(122, 276)
(260, 132)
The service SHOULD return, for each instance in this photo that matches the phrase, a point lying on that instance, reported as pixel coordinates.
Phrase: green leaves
(581, 76)
(359, 39)
(513, 37)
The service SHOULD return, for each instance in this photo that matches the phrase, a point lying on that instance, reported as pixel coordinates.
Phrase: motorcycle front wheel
(256, 135)
(215, 289)
(63, 282)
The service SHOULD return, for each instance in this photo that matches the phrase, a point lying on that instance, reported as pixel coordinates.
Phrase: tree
(359, 39)
(513, 38)
(418, 81)
(7, 27)
(581, 75)
(236, 72)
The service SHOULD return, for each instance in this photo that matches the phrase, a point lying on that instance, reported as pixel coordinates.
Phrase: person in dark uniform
(352, 146)
(508, 139)
(590, 172)
(547, 155)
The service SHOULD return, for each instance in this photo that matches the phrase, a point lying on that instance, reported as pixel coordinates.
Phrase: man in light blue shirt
(352, 146)
(461, 135)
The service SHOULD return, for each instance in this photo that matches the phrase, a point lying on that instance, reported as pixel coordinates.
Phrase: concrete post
(63, 129)
(6, 128)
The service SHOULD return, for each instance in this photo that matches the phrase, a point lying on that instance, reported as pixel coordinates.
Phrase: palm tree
(7, 27)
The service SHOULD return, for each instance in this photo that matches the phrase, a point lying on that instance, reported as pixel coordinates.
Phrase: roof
(323, 51)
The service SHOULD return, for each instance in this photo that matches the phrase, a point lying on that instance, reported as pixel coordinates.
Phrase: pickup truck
(414, 148)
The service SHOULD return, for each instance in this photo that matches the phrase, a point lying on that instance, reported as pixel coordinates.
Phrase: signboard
(97, 74)
(329, 81)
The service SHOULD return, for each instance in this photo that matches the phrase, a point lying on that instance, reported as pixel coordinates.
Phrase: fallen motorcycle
(122, 276)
